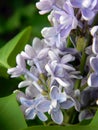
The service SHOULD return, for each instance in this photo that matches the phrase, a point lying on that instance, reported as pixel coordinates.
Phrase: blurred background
(15, 15)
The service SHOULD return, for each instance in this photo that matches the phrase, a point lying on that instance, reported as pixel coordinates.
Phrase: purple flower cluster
(93, 78)
(48, 65)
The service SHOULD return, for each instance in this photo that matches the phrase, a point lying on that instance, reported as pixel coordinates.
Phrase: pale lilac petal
(94, 30)
(26, 102)
(45, 6)
(48, 32)
(67, 58)
(42, 116)
(43, 53)
(87, 14)
(43, 106)
(62, 97)
(30, 51)
(94, 63)
(95, 45)
(94, 3)
(66, 31)
(68, 9)
(59, 71)
(20, 61)
(76, 3)
(93, 80)
(31, 115)
(54, 92)
(15, 72)
(24, 83)
(48, 69)
(67, 104)
(37, 44)
(53, 56)
(64, 83)
(24, 55)
(57, 116)
(32, 92)
(85, 114)
(67, 67)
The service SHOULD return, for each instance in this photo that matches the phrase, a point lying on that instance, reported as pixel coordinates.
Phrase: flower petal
(93, 80)
(43, 106)
(26, 102)
(31, 115)
(20, 61)
(24, 84)
(76, 3)
(67, 104)
(87, 14)
(54, 92)
(95, 45)
(57, 116)
(86, 114)
(94, 63)
(41, 116)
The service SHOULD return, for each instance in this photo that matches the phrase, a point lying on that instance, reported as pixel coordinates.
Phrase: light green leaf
(94, 122)
(11, 49)
(11, 117)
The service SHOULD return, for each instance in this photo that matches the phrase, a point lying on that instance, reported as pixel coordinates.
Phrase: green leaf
(94, 121)
(92, 126)
(11, 117)
(11, 49)
(76, 127)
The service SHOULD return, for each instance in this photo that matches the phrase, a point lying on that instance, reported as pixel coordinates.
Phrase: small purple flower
(45, 6)
(87, 7)
(63, 20)
(31, 110)
(19, 69)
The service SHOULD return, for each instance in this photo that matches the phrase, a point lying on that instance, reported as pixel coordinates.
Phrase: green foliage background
(19, 23)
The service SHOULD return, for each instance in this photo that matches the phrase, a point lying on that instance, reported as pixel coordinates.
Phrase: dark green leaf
(11, 117)
(60, 128)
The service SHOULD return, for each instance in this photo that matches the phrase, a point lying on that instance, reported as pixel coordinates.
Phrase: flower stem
(74, 113)
(83, 62)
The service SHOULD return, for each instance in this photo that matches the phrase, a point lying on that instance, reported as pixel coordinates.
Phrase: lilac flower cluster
(48, 65)
(93, 78)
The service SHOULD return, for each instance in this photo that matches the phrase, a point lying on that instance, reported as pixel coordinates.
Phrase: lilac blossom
(48, 65)
(45, 6)
(58, 100)
(60, 70)
(31, 110)
(87, 8)
(64, 20)
(88, 99)
(19, 69)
